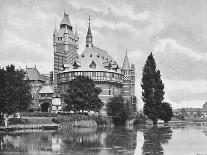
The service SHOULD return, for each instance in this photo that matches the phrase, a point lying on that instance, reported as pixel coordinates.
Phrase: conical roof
(65, 20)
(55, 32)
(126, 65)
(89, 34)
(76, 34)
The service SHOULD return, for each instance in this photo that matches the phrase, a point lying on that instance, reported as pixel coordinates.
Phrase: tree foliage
(15, 93)
(166, 112)
(153, 89)
(118, 110)
(199, 113)
(82, 95)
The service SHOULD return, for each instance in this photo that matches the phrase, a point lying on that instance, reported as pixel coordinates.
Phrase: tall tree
(153, 89)
(82, 95)
(15, 93)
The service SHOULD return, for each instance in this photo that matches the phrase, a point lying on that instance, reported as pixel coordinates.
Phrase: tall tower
(126, 70)
(65, 44)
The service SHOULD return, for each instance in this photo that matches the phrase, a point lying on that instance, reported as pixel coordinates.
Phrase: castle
(92, 62)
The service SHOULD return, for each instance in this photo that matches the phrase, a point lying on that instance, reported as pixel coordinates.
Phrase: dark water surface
(176, 139)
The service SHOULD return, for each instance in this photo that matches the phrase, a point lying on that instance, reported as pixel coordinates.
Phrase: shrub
(140, 119)
(39, 114)
(13, 121)
(103, 120)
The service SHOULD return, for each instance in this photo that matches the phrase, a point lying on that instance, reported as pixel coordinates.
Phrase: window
(49, 95)
(42, 95)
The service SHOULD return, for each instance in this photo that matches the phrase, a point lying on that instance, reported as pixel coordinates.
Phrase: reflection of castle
(93, 62)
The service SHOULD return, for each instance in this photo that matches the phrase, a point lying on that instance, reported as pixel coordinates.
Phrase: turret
(126, 71)
(126, 65)
(89, 42)
(77, 38)
(55, 35)
(55, 38)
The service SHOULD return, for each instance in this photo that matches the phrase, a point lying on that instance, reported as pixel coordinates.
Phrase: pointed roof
(76, 34)
(89, 41)
(89, 34)
(33, 74)
(65, 20)
(47, 90)
(126, 65)
(55, 32)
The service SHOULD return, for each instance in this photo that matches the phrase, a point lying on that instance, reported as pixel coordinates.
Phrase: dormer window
(76, 65)
(92, 65)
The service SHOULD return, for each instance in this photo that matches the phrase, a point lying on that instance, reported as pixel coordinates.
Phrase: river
(175, 139)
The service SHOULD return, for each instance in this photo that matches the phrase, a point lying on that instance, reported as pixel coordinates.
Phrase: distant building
(92, 62)
(191, 112)
(205, 105)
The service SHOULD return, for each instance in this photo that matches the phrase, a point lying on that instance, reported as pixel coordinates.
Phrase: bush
(103, 120)
(71, 118)
(117, 110)
(140, 119)
(14, 121)
(38, 114)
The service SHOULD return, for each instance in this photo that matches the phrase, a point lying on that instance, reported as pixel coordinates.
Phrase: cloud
(119, 9)
(171, 45)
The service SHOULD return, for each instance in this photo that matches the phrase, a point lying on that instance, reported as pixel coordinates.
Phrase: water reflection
(154, 137)
(185, 139)
(122, 139)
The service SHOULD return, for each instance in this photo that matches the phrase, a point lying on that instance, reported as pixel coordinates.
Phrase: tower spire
(126, 65)
(89, 42)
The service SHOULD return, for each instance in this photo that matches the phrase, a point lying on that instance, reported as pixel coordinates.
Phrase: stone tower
(129, 79)
(65, 43)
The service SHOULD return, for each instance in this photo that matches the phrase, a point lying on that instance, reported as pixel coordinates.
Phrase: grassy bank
(64, 120)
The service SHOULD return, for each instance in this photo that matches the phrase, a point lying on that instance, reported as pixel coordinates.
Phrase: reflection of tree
(121, 137)
(153, 138)
(81, 140)
(1, 142)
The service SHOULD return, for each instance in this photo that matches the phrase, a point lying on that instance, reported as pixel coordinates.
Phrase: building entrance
(45, 107)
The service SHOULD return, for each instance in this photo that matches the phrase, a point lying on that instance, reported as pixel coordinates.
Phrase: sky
(174, 31)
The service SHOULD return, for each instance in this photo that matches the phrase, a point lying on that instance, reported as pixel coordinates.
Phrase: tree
(166, 112)
(116, 108)
(15, 93)
(153, 89)
(199, 113)
(134, 103)
(82, 95)
(183, 113)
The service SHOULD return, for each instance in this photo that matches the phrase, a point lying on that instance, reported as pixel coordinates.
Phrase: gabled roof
(126, 65)
(65, 20)
(33, 74)
(47, 90)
